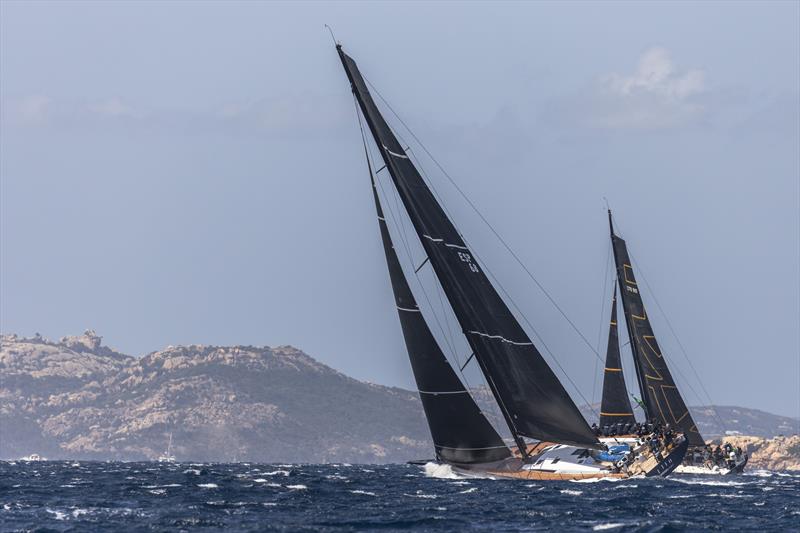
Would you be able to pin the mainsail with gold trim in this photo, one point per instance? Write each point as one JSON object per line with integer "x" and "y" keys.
{"x": 662, "y": 400}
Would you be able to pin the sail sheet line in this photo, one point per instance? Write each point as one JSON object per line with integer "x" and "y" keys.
{"x": 485, "y": 221}
{"x": 396, "y": 224}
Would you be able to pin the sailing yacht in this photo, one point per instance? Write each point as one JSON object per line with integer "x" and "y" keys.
{"x": 661, "y": 400}
{"x": 167, "y": 456}
{"x": 533, "y": 402}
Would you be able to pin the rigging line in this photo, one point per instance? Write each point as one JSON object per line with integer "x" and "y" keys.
{"x": 415, "y": 160}
{"x": 541, "y": 340}
{"x": 680, "y": 344}
{"x": 600, "y": 330}
{"x": 508, "y": 248}
{"x": 394, "y": 220}
{"x": 485, "y": 221}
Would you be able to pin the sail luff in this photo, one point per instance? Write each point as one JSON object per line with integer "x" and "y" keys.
{"x": 660, "y": 395}
{"x": 615, "y": 407}
{"x": 533, "y": 401}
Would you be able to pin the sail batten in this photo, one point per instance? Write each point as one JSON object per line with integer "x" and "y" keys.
{"x": 531, "y": 398}
{"x": 660, "y": 396}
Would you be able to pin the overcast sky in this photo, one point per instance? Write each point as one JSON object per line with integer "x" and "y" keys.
{"x": 176, "y": 173}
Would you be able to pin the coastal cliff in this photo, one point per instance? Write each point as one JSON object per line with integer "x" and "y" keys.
{"x": 76, "y": 398}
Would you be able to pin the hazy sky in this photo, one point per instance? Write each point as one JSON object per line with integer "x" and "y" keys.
{"x": 193, "y": 173}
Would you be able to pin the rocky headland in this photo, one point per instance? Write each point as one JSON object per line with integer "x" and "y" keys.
{"x": 76, "y": 398}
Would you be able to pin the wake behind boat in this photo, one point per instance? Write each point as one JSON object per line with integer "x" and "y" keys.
{"x": 531, "y": 399}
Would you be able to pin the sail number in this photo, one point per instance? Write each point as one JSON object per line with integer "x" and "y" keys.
{"x": 634, "y": 290}
{"x": 465, "y": 257}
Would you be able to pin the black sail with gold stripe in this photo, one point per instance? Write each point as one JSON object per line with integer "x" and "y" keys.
{"x": 615, "y": 406}
{"x": 532, "y": 400}
{"x": 662, "y": 400}
{"x": 460, "y": 432}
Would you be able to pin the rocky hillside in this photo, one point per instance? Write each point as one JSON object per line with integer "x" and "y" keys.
{"x": 76, "y": 398}
{"x": 779, "y": 453}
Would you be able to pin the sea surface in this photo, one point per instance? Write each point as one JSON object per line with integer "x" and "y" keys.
{"x": 97, "y": 496}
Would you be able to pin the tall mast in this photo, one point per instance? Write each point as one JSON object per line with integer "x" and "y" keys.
{"x": 649, "y": 414}
{"x": 532, "y": 400}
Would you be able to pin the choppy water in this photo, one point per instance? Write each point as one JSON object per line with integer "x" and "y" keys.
{"x": 130, "y": 496}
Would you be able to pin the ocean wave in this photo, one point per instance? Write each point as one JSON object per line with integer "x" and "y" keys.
{"x": 364, "y": 492}
{"x": 609, "y": 525}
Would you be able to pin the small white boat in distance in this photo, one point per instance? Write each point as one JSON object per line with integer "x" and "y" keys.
{"x": 34, "y": 457}
{"x": 167, "y": 456}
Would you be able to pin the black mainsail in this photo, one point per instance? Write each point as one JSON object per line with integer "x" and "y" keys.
{"x": 662, "y": 400}
{"x": 615, "y": 406}
{"x": 460, "y": 432}
{"x": 532, "y": 400}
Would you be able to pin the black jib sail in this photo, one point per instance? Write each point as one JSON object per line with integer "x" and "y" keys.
{"x": 532, "y": 400}
{"x": 460, "y": 432}
{"x": 616, "y": 406}
{"x": 660, "y": 395}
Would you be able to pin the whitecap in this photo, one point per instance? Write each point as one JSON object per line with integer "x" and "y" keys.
{"x": 277, "y": 473}
{"x": 192, "y": 471}
{"x": 469, "y": 490}
{"x": 572, "y": 492}
{"x": 60, "y": 515}
{"x": 158, "y": 491}
{"x": 759, "y": 504}
{"x": 296, "y": 487}
{"x": 461, "y": 483}
{"x": 364, "y": 492}
{"x": 269, "y": 504}
{"x": 711, "y": 483}
{"x": 420, "y": 494}
{"x": 440, "y": 471}
{"x": 208, "y": 485}
{"x": 610, "y": 525}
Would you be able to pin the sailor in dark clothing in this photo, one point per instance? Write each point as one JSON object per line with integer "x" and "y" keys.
{"x": 595, "y": 430}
